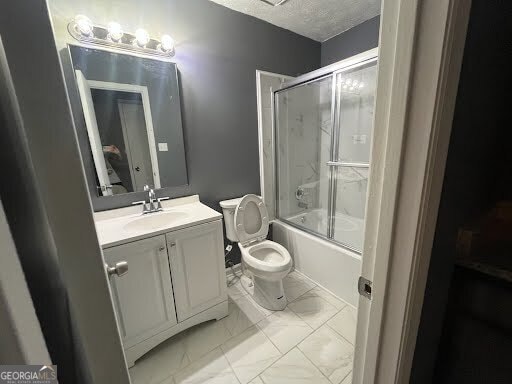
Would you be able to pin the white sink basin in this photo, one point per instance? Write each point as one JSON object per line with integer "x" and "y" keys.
{"x": 154, "y": 221}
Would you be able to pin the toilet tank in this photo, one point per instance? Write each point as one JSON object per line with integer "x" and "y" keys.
{"x": 228, "y": 210}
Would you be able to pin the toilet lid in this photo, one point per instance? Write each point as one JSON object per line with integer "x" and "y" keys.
{"x": 251, "y": 219}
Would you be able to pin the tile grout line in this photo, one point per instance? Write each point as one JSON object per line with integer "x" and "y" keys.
{"x": 282, "y": 355}
{"x": 314, "y": 365}
{"x": 229, "y": 363}
{"x": 300, "y": 341}
{"x": 348, "y": 373}
{"x": 184, "y": 367}
{"x": 325, "y": 322}
{"x": 259, "y": 330}
{"x": 340, "y": 335}
{"x": 275, "y": 346}
{"x": 218, "y": 346}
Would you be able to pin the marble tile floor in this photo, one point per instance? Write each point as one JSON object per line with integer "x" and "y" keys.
{"x": 310, "y": 342}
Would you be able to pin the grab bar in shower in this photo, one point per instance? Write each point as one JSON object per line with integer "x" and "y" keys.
{"x": 347, "y": 164}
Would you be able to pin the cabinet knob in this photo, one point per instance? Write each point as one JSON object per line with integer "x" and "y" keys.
{"x": 161, "y": 249}
{"x": 120, "y": 268}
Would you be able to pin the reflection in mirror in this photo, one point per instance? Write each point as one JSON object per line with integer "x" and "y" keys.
{"x": 124, "y": 140}
{"x": 132, "y": 117}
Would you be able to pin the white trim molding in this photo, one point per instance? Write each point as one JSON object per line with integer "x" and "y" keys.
{"x": 143, "y": 91}
{"x": 419, "y": 69}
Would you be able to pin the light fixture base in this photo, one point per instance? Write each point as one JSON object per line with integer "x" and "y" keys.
{"x": 100, "y": 36}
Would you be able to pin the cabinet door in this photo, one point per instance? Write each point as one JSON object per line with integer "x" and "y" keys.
{"x": 197, "y": 267}
{"x": 143, "y": 298}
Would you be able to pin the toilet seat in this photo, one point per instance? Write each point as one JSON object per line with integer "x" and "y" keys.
{"x": 251, "y": 220}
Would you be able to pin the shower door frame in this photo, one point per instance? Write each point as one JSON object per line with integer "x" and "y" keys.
{"x": 331, "y": 71}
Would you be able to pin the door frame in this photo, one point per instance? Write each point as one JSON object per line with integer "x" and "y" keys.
{"x": 21, "y": 339}
{"x": 127, "y": 147}
{"x": 143, "y": 91}
{"x": 419, "y": 66}
{"x": 265, "y": 179}
{"x": 93, "y": 133}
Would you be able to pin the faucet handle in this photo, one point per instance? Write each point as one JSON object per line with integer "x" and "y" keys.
{"x": 138, "y": 202}
{"x": 159, "y": 203}
{"x": 147, "y": 187}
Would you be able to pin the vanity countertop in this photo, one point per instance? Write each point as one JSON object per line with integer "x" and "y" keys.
{"x": 124, "y": 225}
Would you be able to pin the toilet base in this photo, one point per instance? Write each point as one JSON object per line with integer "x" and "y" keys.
{"x": 269, "y": 294}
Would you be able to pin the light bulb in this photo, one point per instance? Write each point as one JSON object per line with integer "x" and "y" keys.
{"x": 115, "y": 32}
{"x": 361, "y": 84}
{"x": 354, "y": 83}
{"x": 345, "y": 86}
{"x": 166, "y": 43}
{"x": 84, "y": 25}
{"x": 141, "y": 37}
{"x": 349, "y": 81}
{"x": 351, "y": 89}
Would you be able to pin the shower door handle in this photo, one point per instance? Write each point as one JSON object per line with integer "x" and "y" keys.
{"x": 347, "y": 164}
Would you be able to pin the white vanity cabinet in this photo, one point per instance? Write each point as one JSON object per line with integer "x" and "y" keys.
{"x": 143, "y": 298}
{"x": 176, "y": 274}
{"x": 197, "y": 267}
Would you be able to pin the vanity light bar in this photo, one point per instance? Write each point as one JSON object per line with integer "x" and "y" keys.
{"x": 112, "y": 35}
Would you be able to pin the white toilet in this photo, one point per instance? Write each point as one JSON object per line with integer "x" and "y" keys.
{"x": 246, "y": 221}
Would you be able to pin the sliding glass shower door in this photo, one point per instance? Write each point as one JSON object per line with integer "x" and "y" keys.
{"x": 323, "y": 132}
{"x": 303, "y": 140}
{"x": 355, "y": 100}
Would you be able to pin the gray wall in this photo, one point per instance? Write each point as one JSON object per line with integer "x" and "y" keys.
{"x": 217, "y": 53}
{"x": 358, "y": 39}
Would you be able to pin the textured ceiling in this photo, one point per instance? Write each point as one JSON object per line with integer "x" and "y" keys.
{"x": 317, "y": 19}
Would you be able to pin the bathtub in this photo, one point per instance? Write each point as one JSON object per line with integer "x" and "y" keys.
{"x": 331, "y": 266}
{"x": 348, "y": 230}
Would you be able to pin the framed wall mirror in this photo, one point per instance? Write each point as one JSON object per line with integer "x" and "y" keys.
{"x": 132, "y": 117}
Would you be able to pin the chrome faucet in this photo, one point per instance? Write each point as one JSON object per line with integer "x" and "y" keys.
{"x": 153, "y": 204}
{"x": 151, "y": 193}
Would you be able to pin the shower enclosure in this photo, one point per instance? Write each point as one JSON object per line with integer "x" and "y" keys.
{"x": 323, "y": 124}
